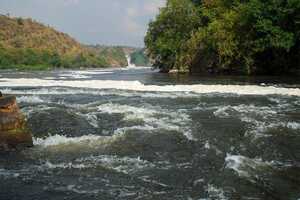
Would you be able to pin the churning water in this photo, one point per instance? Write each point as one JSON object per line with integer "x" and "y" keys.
{"x": 135, "y": 134}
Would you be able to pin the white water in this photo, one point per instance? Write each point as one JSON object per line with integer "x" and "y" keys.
{"x": 153, "y": 117}
{"x": 130, "y": 65}
{"x": 138, "y": 86}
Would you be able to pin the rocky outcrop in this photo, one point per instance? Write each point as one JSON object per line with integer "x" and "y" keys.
{"x": 14, "y": 133}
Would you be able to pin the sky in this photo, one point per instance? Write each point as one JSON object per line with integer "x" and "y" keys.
{"x": 108, "y": 22}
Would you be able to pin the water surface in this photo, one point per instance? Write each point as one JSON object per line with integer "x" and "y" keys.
{"x": 136, "y": 134}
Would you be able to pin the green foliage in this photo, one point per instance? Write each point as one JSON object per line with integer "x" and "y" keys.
{"x": 232, "y": 36}
{"x": 168, "y": 32}
{"x": 139, "y": 58}
{"x": 112, "y": 56}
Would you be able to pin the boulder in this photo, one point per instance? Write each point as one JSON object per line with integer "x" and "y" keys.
{"x": 14, "y": 133}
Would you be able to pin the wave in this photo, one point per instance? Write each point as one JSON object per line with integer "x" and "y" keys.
{"x": 126, "y": 165}
{"x": 30, "y": 99}
{"x": 56, "y": 140}
{"x": 262, "y": 111}
{"x": 246, "y": 167}
{"x": 138, "y": 86}
{"x": 122, "y": 93}
{"x": 153, "y": 116}
{"x": 215, "y": 193}
{"x": 259, "y": 119}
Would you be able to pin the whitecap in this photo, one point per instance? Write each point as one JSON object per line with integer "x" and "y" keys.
{"x": 122, "y": 93}
{"x": 30, "y": 99}
{"x": 245, "y": 167}
{"x": 125, "y": 165}
{"x": 244, "y": 110}
{"x": 154, "y": 117}
{"x": 138, "y": 86}
{"x": 63, "y": 140}
{"x": 216, "y": 193}
{"x": 293, "y": 125}
{"x": 48, "y": 165}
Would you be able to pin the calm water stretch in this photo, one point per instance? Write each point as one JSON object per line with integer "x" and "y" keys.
{"x": 134, "y": 134}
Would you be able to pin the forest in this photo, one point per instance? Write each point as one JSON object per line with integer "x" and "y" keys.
{"x": 244, "y": 37}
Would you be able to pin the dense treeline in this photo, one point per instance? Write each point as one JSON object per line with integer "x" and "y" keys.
{"x": 26, "y": 44}
{"x": 139, "y": 58}
{"x": 29, "y": 58}
{"x": 226, "y": 36}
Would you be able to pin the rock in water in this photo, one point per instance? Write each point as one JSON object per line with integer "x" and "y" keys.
{"x": 14, "y": 133}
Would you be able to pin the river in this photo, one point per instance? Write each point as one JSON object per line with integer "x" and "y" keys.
{"x": 135, "y": 134}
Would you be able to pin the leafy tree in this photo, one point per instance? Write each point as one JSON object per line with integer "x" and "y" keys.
{"x": 139, "y": 58}
{"x": 167, "y": 33}
{"x": 229, "y": 36}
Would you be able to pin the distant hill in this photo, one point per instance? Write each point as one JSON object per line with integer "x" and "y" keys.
{"x": 27, "y": 44}
{"x": 115, "y": 55}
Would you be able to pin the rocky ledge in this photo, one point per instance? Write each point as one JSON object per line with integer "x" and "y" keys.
{"x": 14, "y": 134}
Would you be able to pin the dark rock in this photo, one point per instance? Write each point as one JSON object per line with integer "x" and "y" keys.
{"x": 14, "y": 133}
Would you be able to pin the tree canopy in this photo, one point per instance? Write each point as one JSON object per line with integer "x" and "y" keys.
{"x": 226, "y": 36}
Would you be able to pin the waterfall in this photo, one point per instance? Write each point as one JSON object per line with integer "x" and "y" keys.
{"x": 130, "y": 65}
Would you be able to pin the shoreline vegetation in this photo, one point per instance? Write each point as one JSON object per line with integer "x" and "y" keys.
{"x": 234, "y": 37}
{"x": 29, "y": 45}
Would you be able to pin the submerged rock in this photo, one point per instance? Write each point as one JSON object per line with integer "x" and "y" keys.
{"x": 14, "y": 133}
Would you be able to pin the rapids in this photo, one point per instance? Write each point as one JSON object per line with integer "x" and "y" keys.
{"x": 136, "y": 134}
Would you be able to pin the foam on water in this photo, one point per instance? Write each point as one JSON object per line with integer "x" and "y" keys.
{"x": 259, "y": 118}
{"x": 259, "y": 128}
{"x": 215, "y": 193}
{"x": 123, "y": 93}
{"x": 138, "y": 86}
{"x": 263, "y": 111}
{"x": 48, "y": 165}
{"x": 245, "y": 167}
{"x": 91, "y": 118}
{"x": 293, "y": 125}
{"x": 30, "y": 99}
{"x": 86, "y": 141}
{"x": 154, "y": 117}
{"x": 60, "y": 139}
{"x": 125, "y": 165}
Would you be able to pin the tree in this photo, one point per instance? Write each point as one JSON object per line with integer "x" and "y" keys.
{"x": 227, "y": 36}
{"x": 167, "y": 33}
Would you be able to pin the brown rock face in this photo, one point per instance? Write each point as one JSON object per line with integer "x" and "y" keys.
{"x": 14, "y": 133}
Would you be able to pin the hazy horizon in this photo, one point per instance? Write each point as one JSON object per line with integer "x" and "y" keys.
{"x": 105, "y": 22}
